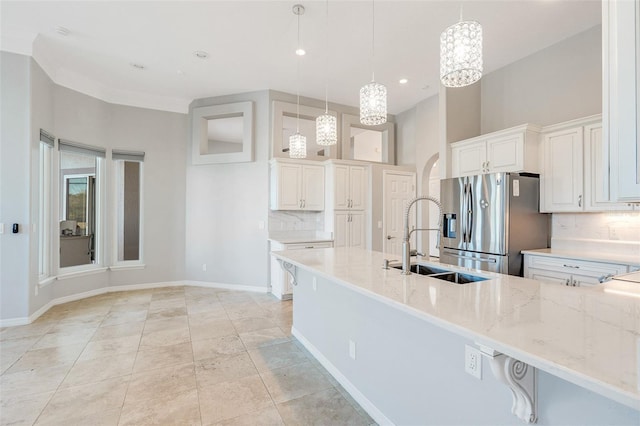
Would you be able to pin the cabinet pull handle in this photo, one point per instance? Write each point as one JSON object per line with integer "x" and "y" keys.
{"x": 488, "y": 166}
{"x": 566, "y": 282}
{"x": 308, "y": 247}
{"x": 571, "y": 266}
{"x": 579, "y": 200}
{"x": 574, "y": 283}
{"x": 304, "y": 203}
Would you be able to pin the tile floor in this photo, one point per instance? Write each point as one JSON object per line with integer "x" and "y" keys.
{"x": 174, "y": 355}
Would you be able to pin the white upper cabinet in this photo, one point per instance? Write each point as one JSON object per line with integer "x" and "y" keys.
{"x": 575, "y": 169}
{"x": 621, "y": 94}
{"x": 349, "y": 183}
{"x": 562, "y": 179}
{"x": 510, "y": 150}
{"x": 296, "y": 185}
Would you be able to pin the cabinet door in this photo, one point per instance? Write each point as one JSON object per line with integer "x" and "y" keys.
{"x": 341, "y": 186}
{"x": 288, "y": 186}
{"x": 357, "y": 230}
{"x": 505, "y": 154}
{"x": 584, "y": 281}
{"x": 621, "y": 91}
{"x": 313, "y": 187}
{"x": 562, "y": 179}
{"x": 468, "y": 160}
{"x": 596, "y": 173}
{"x": 340, "y": 229}
{"x": 357, "y": 187}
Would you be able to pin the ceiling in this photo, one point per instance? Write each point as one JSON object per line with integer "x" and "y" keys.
{"x": 251, "y": 45}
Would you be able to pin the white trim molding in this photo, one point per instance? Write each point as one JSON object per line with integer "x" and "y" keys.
{"x": 364, "y": 402}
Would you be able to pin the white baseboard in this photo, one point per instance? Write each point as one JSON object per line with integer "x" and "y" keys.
{"x": 10, "y": 322}
{"x": 364, "y": 402}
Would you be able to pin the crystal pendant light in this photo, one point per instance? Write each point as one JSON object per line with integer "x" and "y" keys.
{"x": 461, "y": 54}
{"x": 297, "y": 142}
{"x": 373, "y": 96}
{"x": 326, "y": 124}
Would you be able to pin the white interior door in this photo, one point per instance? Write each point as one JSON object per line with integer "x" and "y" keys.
{"x": 398, "y": 189}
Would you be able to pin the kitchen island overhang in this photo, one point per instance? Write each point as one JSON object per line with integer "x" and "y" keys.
{"x": 587, "y": 337}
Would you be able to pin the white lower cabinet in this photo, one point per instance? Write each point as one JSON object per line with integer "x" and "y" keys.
{"x": 281, "y": 286}
{"x": 568, "y": 271}
{"x": 349, "y": 229}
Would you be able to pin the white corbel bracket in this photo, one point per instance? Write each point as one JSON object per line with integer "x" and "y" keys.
{"x": 290, "y": 268}
{"x": 522, "y": 380}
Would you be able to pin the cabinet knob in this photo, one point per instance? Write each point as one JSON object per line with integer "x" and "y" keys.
{"x": 579, "y": 200}
{"x": 389, "y": 237}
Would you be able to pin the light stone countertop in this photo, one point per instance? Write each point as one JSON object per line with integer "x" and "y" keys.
{"x": 590, "y": 256}
{"x": 589, "y": 336}
{"x": 294, "y": 237}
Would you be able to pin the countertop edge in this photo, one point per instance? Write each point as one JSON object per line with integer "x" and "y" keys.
{"x": 586, "y": 256}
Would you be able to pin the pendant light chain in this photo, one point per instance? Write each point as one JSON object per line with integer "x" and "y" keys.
{"x": 298, "y": 142}
{"x": 373, "y": 40}
{"x": 298, "y": 82}
{"x": 373, "y": 96}
{"x": 326, "y": 60}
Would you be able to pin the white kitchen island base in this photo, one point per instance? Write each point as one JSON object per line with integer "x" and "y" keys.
{"x": 407, "y": 370}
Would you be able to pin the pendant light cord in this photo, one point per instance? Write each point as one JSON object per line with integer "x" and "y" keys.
{"x": 373, "y": 39}
{"x": 298, "y": 83}
{"x": 326, "y": 79}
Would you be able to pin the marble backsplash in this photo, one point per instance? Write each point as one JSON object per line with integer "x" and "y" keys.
{"x": 617, "y": 232}
{"x": 280, "y": 220}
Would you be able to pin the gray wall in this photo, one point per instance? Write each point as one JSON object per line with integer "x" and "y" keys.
{"x": 30, "y": 101}
{"x": 559, "y": 83}
{"x": 14, "y": 184}
{"x": 225, "y": 205}
{"x": 413, "y": 371}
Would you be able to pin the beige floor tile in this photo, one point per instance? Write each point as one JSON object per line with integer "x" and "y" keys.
{"x": 224, "y": 368}
{"x": 44, "y": 358}
{"x": 243, "y": 325}
{"x": 161, "y": 383}
{"x": 23, "y": 409}
{"x": 18, "y": 344}
{"x": 210, "y": 348}
{"x": 31, "y": 331}
{"x": 109, "y": 347}
{"x": 99, "y": 369}
{"x": 33, "y": 381}
{"x": 120, "y": 330}
{"x": 72, "y": 405}
{"x": 124, "y": 317}
{"x": 163, "y": 313}
{"x": 277, "y": 356}
{"x": 265, "y": 337}
{"x": 62, "y": 338}
{"x": 163, "y": 356}
{"x": 245, "y": 310}
{"x": 368, "y": 420}
{"x": 232, "y": 399}
{"x": 211, "y": 329}
{"x": 101, "y": 418}
{"x": 165, "y": 324}
{"x": 177, "y": 409}
{"x": 165, "y": 337}
{"x": 167, "y": 304}
{"x": 288, "y": 383}
{"x": 206, "y": 311}
{"x": 265, "y": 417}
{"x": 323, "y": 408}
{"x": 8, "y": 358}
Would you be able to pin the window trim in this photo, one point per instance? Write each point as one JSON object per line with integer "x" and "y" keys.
{"x": 119, "y": 157}
{"x": 46, "y": 149}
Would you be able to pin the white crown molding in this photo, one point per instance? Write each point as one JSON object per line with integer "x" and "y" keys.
{"x": 31, "y": 45}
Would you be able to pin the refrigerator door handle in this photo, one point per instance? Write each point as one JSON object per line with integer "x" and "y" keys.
{"x": 469, "y": 213}
{"x": 477, "y": 259}
{"x": 463, "y": 218}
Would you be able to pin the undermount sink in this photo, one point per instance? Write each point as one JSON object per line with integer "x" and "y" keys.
{"x": 443, "y": 274}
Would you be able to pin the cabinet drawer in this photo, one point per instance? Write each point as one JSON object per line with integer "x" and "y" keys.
{"x": 301, "y": 246}
{"x": 572, "y": 266}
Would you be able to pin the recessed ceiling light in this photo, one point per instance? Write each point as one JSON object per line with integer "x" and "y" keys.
{"x": 300, "y": 51}
{"x": 403, "y": 81}
{"x": 138, "y": 66}
{"x": 62, "y": 30}
{"x": 201, "y": 54}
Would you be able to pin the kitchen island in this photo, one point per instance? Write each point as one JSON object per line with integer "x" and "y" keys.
{"x": 397, "y": 343}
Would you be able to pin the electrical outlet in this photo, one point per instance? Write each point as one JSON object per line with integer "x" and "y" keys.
{"x": 314, "y": 283}
{"x": 204, "y": 267}
{"x": 473, "y": 361}
{"x": 352, "y": 349}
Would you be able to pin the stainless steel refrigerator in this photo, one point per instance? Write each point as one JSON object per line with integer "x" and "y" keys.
{"x": 488, "y": 219}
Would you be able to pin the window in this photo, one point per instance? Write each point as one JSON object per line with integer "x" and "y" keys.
{"x": 47, "y": 143}
{"x": 81, "y": 183}
{"x": 128, "y": 167}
